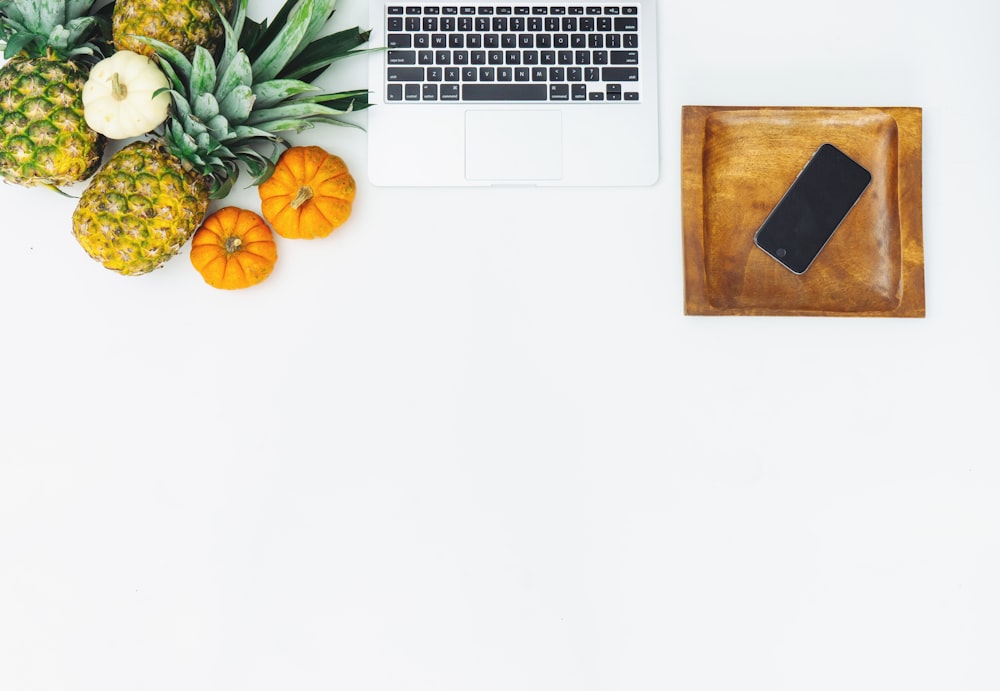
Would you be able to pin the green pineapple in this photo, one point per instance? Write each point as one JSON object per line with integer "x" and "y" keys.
{"x": 51, "y": 45}
{"x": 148, "y": 199}
{"x": 181, "y": 24}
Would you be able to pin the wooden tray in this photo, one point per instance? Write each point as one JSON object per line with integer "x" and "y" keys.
{"x": 736, "y": 165}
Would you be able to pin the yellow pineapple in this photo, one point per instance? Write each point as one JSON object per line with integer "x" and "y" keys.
{"x": 182, "y": 24}
{"x": 44, "y": 139}
{"x": 148, "y": 199}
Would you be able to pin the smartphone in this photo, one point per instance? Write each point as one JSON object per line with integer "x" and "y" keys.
{"x": 816, "y": 203}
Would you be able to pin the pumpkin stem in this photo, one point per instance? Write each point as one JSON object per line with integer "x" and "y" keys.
{"x": 118, "y": 90}
{"x": 304, "y": 195}
{"x": 233, "y": 244}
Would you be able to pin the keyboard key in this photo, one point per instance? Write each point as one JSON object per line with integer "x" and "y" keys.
{"x": 402, "y": 57}
{"x": 624, "y": 57}
{"x": 405, "y": 74}
{"x": 504, "y": 92}
{"x": 398, "y": 41}
{"x": 620, "y": 74}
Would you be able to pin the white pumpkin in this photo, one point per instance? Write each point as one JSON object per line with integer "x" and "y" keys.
{"x": 118, "y": 97}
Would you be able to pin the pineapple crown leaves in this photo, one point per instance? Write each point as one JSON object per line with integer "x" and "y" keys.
{"x": 64, "y": 28}
{"x": 226, "y": 109}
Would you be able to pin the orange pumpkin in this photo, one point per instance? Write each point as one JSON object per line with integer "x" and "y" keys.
{"x": 233, "y": 248}
{"x": 309, "y": 194}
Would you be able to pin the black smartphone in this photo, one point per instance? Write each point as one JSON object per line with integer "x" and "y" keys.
{"x": 818, "y": 200}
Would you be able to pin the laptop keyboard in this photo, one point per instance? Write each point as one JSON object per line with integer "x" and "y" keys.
{"x": 512, "y": 53}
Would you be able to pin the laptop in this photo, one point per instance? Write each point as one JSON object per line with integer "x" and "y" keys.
{"x": 513, "y": 93}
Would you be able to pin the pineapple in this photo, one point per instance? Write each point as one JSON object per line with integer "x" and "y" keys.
{"x": 150, "y": 197}
{"x": 51, "y": 45}
{"x": 182, "y": 24}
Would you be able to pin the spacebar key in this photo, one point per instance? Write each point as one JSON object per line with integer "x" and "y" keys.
{"x": 505, "y": 92}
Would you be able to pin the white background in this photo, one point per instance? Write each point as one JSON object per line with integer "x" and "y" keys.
{"x": 471, "y": 442}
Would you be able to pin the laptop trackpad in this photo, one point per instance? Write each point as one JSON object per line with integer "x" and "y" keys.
{"x": 513, "y": 145}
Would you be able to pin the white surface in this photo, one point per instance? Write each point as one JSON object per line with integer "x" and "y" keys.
{"x": 470, "y": 441}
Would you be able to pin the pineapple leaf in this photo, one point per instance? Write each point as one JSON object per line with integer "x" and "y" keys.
{"x": 278, "y": 90}
{"x": 77, "y": 8}
{"x": 290, "y": 124}
{"x": 182, "y": 109}
{"x": 174, "y": 57}
{"x": 321, "y": 15}
{"x": 236, "y": 106}
{"x": 17, "y": 43}
{"x": 319, "y": 54}
{"x": 231, "y": 44}
{"x": 264, "y": 33}
{"x": 205, "y": 108}
{"x": 246, "y": 132}
{"x": 193, "y": 126}
{"x": 30, "y": 14}
{"x": 251, "y": 37}
{"x": 220, "y": 129}
{"x": 286, "y": 44}
{"x": 223, "y": 181}
{"x": 237, "y": 73}
{"x": 239, "y": 18}
{"x": 345, "y": 101}
{"x": 258, "y": 165}
{"x": 296, "y": 109}
{"x": 51, "y": 13}
{"x": 171, "y": 75}
{"x": 202, "y": 73}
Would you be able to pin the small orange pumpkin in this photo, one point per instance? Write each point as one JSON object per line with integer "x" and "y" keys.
{"x": 233, "y": 248}
{"x": 309, "y": 194}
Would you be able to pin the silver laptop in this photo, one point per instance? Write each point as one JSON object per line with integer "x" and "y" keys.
{"x": 513, "y": 93}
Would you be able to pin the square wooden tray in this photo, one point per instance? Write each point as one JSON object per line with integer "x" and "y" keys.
{"x": 737, "y": 162}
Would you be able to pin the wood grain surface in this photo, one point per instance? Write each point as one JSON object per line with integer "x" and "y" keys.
{"x": 736, "y": 165}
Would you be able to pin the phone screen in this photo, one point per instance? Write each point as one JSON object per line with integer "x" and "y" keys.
{"x": 818, "y": 200}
